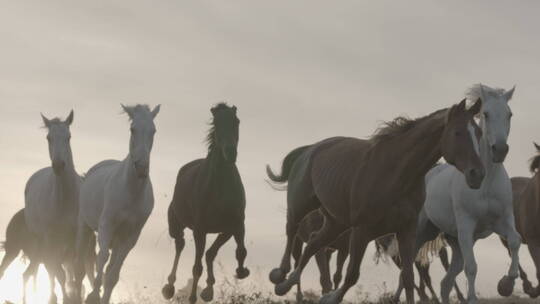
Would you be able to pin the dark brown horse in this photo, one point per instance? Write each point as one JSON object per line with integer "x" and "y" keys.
{"x": 526, "y": 197}
{"x": 372, "y": 187}
{"x": 209, "y": 198}
{"x": 310, "y": 224}
{"x": 20, "y": 239}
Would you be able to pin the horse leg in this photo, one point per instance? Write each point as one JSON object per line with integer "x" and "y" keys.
{"x": 455, "y": 267}
{"x": 296, "y": 253}
{"x": 176, "y": 231}
{"x": 84, "y": 234}
{"x": 406, "y": 241}
{"x": 527, "y": 285}
{"x": 31, "y": 270}
{"x": 208, "y": 293}
{"x": 506, "y": 229}
{"x": 318, "y": 240}
{"x": 443, "y": 256}
{"x": 534, "y": 250}
{"x": 242, "y": 272}
{"x": 425, "y": 281}
{"x": 10, "y": 254}
{"x": 200, "y": 243}
{"x": 321, "y": 257}
{"x": 104, "y": 239}
{"x": 90, "y": 261}
{"x": 340, "y": 261}
{"x": 466, "y": 227}
{"x": 277, "y": 275}
{"x": 51, "y": 270}
{"x": 357, "y": 248}
{"x": 119, "y": 253}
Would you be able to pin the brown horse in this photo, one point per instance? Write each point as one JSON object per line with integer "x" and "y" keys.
{"x": 372, "y": 187}
{"x": 310, "y": 224}
{"x": 526, "y": 197}
{"x": 209, "y": 198}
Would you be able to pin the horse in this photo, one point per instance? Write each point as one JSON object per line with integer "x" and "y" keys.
{"x": 387, "y": 246}
{"x": 51, "y": 203}
{"x": 20, "y": 239}
{"x": 526, "y": 207}
{"x": 116, "y": 199}
{"x": 209, "y": 198}
{"x": 310, "y": 224}
{"x": 465, "y": 214}
{"x": 371, "y": 187}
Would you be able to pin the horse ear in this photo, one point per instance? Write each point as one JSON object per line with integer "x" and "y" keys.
{"x": 69, "y": 119}
{"x": 482, "y": 93}
{"x": 155, "y": 111}
{"x": 234, "y": 109}
{"x": 455, "y": 109}
{"x": 213, "y": 110}
{"x": 536, "y": 146}
{"x": 46, "y": 121}
{"x": 475, "y": 108}
{"x": 508, "y": 94}
{"x": 127, "y": 110}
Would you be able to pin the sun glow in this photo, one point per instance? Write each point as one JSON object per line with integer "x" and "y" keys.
{"x": 11, "y": 285}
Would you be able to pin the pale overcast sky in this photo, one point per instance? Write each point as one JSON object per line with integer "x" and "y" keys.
{"x": 298, "y": 71}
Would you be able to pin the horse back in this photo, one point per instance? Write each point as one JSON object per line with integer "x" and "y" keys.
{"x": 333, "y": 170}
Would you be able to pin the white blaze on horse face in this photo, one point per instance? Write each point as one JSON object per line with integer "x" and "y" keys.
{"x": 474, "y": 140}
{"x": 58, "y": 138}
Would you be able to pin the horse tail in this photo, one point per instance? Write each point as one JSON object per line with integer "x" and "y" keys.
{"x": 430, "y": 249}
{"x": 286, "y": 166}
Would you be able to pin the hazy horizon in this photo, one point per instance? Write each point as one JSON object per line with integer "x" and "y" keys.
{"x": 297, "y": 71}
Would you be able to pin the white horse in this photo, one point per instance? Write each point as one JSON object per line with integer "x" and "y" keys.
{"x": 466, "y": 215}
{"x": 51, "y": 203}
{"x": 116, "y": 199}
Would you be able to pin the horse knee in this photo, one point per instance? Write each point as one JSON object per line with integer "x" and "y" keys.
{"x": 471, "y": 269}
{"x": 197, "y": 269}
{"x": 241, "y": 253}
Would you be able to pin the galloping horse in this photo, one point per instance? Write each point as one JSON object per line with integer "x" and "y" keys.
{"x": 51, "y": 203}
{"x": 372, "y": 187}
{"x": 116, "y": 200}
{"x": 209, "y": 198}
{"x": 466, "y": 215}
{"x": 526, "y": 194}
{"x": 20, "y": 239}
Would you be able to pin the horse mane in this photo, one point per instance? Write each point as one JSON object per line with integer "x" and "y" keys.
{"x": 475, "y": 92}
{"x": 535, "y": 163}
{"x": 399, "y": 126}
{"x": 138, "y": 108}
{"x": 210, "y": 138}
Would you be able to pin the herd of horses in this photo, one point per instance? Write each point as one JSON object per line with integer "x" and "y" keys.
{"x": 342, "y": 193}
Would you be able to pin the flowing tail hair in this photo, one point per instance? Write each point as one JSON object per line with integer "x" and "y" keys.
{"x": 277, "y": 181}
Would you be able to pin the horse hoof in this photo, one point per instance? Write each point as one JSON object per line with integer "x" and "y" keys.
{"x": 242, "y": 273}
{"x": 207, "y": 294}
{"x": 505, "y": 286}
{"x": 93, "y": 298}
{"x": 277, "y": 276}
{"x": 528, "y": 288}
{"x": 168, "y": 291}
{"x": 329, "y": 298}
{"x": 282, "y": 288}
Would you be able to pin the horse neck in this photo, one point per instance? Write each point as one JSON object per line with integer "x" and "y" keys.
{"x": 129, "y": 174}
{"x": 67, "y": 182}
{"x": 416, "y": 151}
{"x": 218, "y": 166}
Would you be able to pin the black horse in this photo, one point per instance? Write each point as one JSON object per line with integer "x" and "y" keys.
{"x": 209, "y": 198}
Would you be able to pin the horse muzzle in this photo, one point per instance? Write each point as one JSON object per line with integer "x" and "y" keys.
{"x": 499, "y": 152}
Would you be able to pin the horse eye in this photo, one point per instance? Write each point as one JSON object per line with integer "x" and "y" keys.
{"x": 486, "y": 115}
